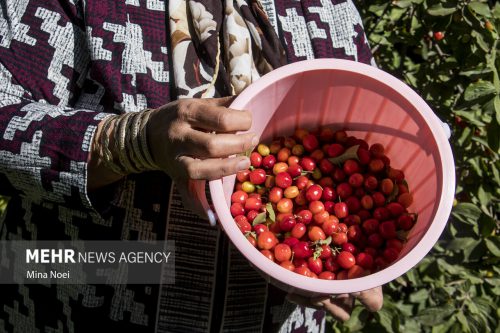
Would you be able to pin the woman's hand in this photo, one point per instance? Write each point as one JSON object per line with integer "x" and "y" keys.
{"x": 191, "y": 139}
{"x": 341, "y": 306}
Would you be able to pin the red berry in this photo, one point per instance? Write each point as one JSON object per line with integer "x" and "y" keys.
{"x": 253, "y": 204}
{"x": 310, "y": 142}
{"x": 291, "y": 241}
{"x": 268, "y": 254}
{"x": 301, "y": 250}
{"x": 314, "y": 193}
{"x": 325, "y": 166}
{"x": 356, "y": 271}
{"x": 391, "y": 254}
{"x": 438, "y": 35}
{"x": 341, "y": 210}
{"x": 251, "y": 215}
{"x": 282, "y": 252}
{"x": 326, "y": 251}
{"x": 315, "y": 265}
{"x": 365, "y": 260}
{"x": 288, "y": 265}
{"x": 288, "y": 223}
{"x": 351, "y": 167}
{"x": 275, "y": 195}
{"x": 295, "y": 170}
{"x": 242, "y": 175}
{"x": 268, "y": 162}
{"x": 258, "y": 176}
{"x": 331, "y": 264}
{"x": 387, "y": 229}
{"x": 315, "y": 233}
{"x": 325, "y": 275}
{"x": 256, "y": 159}
{"x": 242, "y": 223}
{"x": 283, "y": 180}
{"x": 307, "y": 163}
{"x": 405, "y": 222}
{"x": 237, "y": 209}
{"x": 285, "y": 205}
{"x": 335, "y": 150}
{"x": 349, "y": 247}
{"x": 316, "y": 207}
{"x": 266, "y": 240}
{"x": 239, "y": 197}
{"x": 328, "y": 194}
{"x": 305, "y": 216}
{"x": 339, "y": 238}
{"x": 346, "y": 259}
{"x": 344, "y": 190}
{"x": 260, "y": 228}
{"x": 298, "y": 230}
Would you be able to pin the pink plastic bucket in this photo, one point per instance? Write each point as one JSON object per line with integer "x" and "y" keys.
{"x": 372, "y": 105}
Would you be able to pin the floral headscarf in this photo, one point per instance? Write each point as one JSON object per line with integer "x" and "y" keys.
{"x": 221, "y": 46}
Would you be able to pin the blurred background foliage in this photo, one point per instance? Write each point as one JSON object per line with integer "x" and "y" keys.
{"x": 449, "y": 52}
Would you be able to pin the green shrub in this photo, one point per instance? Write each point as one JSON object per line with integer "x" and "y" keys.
{"x": 456, "y": 287}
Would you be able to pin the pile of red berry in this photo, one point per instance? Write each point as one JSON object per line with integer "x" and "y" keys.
{"x": 323, "y": 204}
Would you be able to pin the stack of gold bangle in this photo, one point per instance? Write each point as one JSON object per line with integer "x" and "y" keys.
{"x": 132, "y": 154}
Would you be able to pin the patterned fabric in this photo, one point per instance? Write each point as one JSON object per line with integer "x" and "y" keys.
{"x": 64, "y": 65}
{"x": 206, "y": 68}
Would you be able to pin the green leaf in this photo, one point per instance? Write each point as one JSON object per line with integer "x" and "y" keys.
{"x": 385, "y": 319}
{"x": 480, "y": 8}
{"x": 466, "y": 212}
{"x": 350, "y": 153}
{"x": 270, "y": 211}
{"x": 259, "y": 219}
{"x": 496, "y": 106}
{"x": 493, "y": 244}
{"x": 439, "y": 10}
{"x": 480, "y": 40}
{"x": 463, "y": 321}
{"x": 462, "y": 243}
{"x": 419, "y": 296}
{"x": 479, "y": 89}
{"x": 435, "y": 315}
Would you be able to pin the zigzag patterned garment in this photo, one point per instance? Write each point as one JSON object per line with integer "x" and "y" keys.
{"x": 64, "y": 65}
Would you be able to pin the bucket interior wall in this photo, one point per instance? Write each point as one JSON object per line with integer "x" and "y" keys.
{"x": 368, "y": 111}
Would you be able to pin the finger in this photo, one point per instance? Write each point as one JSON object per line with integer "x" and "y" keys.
{"x": 372, "y": 299}
{"x": 211, "y": 169}
{"x": 217, "y": 118}
{"x": 340, "y": 307}
{"x": 206, "y": 145}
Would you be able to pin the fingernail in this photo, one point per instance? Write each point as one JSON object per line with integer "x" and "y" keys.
{"x": 211, "y": 217}
{"x": 243, "y": 164}
{"x": 255, "y": 141}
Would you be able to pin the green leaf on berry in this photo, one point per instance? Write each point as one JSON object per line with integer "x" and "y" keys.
{"x": 270, "y": 211}
{"x": 251, "y": 233}
{"x": 317, "y": 252}
{"x": 259, "y": 219}
{"x": 351, "y": 153}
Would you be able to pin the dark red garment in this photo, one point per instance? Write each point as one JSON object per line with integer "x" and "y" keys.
{"x": 63, "y": 66}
